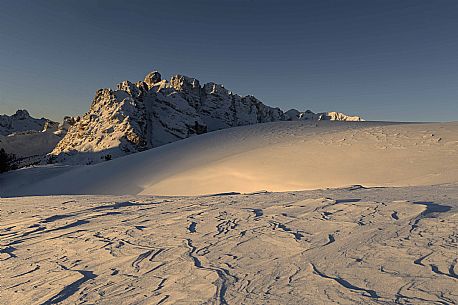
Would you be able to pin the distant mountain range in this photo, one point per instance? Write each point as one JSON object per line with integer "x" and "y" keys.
{"x": 30, "y": 139}
{"x": 139, "y": 116}
{"x": 22, "y": 121}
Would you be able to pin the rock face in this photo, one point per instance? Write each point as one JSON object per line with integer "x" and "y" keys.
{"x": 153, "y": 112}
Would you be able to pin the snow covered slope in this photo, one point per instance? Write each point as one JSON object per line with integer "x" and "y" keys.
{"x": 275, "y": 156}
{"x": 30, "y": 139}
{"x": 29, "y": 143}
{"x": 154, "y": 112}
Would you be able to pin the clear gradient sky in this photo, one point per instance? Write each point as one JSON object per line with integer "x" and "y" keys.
{"x": 380, "y": 59}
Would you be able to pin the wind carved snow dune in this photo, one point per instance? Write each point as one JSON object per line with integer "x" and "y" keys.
{"x": 278, "y": 156}
{"x": 342, "y": 246}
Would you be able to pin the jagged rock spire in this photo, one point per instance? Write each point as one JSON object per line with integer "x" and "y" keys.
{"x": 152, "y": 78}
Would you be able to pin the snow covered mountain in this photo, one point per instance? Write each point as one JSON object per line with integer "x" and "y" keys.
{"x": 153, "y": 112}
{"x": 30, "y": 139}
{"x": 22, "y": 121}
{"x": 295, "y": 115}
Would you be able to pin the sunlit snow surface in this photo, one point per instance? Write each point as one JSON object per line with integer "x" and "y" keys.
{"x": 279, "y": 156}
{"x": 340, "y": 246}
{"x": 392, "y": 240}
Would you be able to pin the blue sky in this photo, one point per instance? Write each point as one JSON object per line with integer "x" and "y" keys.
{"x": 381, "y": 59}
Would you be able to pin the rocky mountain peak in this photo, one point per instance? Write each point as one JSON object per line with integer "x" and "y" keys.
{"x": 21, "y": 114}
{"x": 154, "y": 112}
{"x": 132, "y": 89}
{"x": 184, "y": 83}
{"x": 22, "y": 121}
{"x": 152, "y": 78}
{"x": 216, "y": 89}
